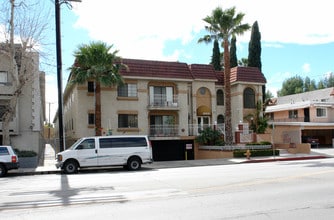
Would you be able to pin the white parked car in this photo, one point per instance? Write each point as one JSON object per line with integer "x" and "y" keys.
{"x": 130, "y": 151}
{"x": 8, "y": 160}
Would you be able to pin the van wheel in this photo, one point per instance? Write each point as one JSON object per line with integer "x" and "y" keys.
{"x": 70, "y": 167}
{"x": 3, "y": 170}
{"x": 134, "y": 163}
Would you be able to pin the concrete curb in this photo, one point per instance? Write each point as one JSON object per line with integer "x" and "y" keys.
{"x": 285, "y": 159}
{"x": 193, "y": 163}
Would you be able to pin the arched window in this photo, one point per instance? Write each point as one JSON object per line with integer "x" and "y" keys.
{"x": 220, "y": 97}
{"x": 220, "y": 119}
{"x": 249, "y": 98}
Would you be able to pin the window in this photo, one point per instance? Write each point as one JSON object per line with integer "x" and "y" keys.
{"x": 202, "y": 90}
{"x": 127, "y": 121}
{"x": 3, "y": 77}
{"x": 249, "y": 98}
{"x": 321, "y": 112}
{"x": 91, "y": 86}
{"x": 86, "y": 144}
{"x": 91, "y": 118}
{"x": 2, "y": 111}
{"x": 293, "y": 114}
{"x": 160, "y": 95}
{"x": 122, "y": 142}
{"x": 127, "y": 90}
{"x": 4, "y": 151}
{"x": 220, "y": 119}
{"x": 220, "y": 97}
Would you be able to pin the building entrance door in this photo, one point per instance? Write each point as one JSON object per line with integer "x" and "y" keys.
{"x": 203, "y": 122}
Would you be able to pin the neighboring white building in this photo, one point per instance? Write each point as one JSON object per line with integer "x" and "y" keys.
{"x": 26, "y": 128}
{"x": 304, "y": 118}
{"x": 169, "y": 101}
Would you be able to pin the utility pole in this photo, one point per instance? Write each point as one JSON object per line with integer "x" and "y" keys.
{"x": 59, "y": 72}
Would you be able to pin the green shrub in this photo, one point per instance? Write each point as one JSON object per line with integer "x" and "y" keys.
{"x": 259, "y": 143}
{"x": 25, "y": 153}
{"x": 210, "y": 137}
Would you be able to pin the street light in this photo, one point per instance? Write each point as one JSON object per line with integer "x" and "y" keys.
{"x": 59, "y": 72}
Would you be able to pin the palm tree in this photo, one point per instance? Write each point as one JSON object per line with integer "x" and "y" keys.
{"x": 222, "y": 25}
{"x": 95, "y": 62}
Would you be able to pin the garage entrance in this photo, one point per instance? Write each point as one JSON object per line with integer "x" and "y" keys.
{"x": 323, "y": 136}
{"x": 168, "y": 150}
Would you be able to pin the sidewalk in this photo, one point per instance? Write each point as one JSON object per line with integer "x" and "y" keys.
{"x": 49, "y": 161}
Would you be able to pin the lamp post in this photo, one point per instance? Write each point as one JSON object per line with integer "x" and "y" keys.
{"x": 59, "y": 73}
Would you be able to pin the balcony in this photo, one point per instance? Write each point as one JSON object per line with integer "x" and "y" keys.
{"x": 164, "y": 130}
{"x": 175, "y": 130}
{"x": 162, "y": 102}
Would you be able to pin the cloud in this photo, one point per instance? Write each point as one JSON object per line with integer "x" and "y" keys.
{"x": 306, "y": 68}
{"x": 139, "y": 29}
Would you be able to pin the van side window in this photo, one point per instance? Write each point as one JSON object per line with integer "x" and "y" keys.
{"x": 86, "y": 144}
{"x": 122, "y": 142}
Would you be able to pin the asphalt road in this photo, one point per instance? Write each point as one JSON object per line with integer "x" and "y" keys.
{"x": 277, "y": 190}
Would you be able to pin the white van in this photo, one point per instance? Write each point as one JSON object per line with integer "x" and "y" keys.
{"x": 128, "y": 151}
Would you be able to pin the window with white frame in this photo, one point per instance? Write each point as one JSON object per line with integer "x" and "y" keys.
{"x": 3, "y": 77}
{"x": 127, "y": 90}
{"x": 321, "y": 112}
{"x": 160, "y": 95}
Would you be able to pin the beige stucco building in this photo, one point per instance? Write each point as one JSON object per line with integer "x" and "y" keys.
{"x": 26, "y": 128}
{"x": 169, "y": 101}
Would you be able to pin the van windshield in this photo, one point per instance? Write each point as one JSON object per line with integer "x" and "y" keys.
{"x": 75, "y": 144}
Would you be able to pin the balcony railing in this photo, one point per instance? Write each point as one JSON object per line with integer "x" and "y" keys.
{"x": 164, "y": 130}
{"x": 162, "y": 101}
{"x": 195, "y": 129}
{"x": 174, "y": 130}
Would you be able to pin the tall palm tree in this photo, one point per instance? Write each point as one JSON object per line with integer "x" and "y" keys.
{"x": 222, "y": 25}
{"x": 96, "y": 62}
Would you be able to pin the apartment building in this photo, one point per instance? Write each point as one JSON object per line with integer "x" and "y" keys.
{"x": 26, "y": 128}
{"x": 169, "y": 101}
{"x": 304, "y": 118}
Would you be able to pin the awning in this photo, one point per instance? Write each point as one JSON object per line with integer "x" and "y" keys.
{"x": 203, "y": 110}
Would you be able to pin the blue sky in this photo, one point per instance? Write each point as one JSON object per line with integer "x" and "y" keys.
{"x": 297, "y": 39}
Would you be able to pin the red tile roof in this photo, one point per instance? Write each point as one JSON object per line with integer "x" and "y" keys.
{"x": 149, "y": 68}
{"x": 203, "y": 71}
{"x": 247, "y": 74}
{"x": 177, "y": 70}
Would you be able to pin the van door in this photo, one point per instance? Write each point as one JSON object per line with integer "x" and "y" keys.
{"x": 87, "y": 153}
{"x": 107, "y": 153}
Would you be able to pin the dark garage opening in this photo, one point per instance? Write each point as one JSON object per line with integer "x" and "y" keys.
{"x": 168, "y": 150}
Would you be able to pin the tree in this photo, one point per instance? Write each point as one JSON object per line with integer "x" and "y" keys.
{"x": 254, "y": 48}
{"x": 254, "y": 52}
{"x": 309, "y": 85}
{"x": 222, "y": 25}
{"x": 243, "y": 62}
{"x": 95, "y": 62}
{"x": 233, "y": 53}
{"x": 216, "y": 56}
{"x": 291, "y": 86}
{"x": 24, "y": 31}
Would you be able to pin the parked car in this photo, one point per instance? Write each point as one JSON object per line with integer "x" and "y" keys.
{"x": 130, "y": 151}
{"x": 8, "y": 160}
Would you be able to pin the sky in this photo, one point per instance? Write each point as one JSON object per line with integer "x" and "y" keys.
{"x": 297, "y": 37}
